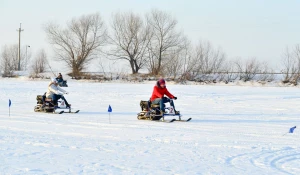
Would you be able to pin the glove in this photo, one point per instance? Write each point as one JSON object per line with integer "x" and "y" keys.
{"x": 175, "y": 98}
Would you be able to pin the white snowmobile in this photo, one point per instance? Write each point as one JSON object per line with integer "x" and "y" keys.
{"x": 47, "y": 105}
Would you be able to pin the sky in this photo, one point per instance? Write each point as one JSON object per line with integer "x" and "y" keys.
{"x": 242, "y": 28}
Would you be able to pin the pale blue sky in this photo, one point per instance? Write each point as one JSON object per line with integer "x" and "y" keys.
{"x": 242, "y": 28}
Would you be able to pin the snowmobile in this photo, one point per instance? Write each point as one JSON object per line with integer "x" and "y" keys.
{"x": 152, "y": 112}
{"x": 47, "y": 105}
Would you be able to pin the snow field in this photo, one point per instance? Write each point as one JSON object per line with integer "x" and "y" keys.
{"x": 234, "y": 130}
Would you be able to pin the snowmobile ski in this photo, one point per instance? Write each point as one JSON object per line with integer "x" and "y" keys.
{"x": 60, "y": 112}
{"x": 73, "y": 112}
{"x": 166, "y": 121}
{"x": 68, "y": 112}
{"x": 184, "y": 120}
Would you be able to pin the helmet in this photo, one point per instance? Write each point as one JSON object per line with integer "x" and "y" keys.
{"x": 162, "y": 81}
{"x": 53, "y": 80}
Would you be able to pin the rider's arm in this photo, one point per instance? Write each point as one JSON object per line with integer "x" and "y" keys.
{"x": 61, "y": 89}
{"x": 52, "y": 88}
{"x": 169, "y": 94}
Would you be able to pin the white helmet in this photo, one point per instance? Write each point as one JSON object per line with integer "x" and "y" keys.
{"x": 53, "y": 80}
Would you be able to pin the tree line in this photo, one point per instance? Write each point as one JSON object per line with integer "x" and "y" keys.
{"x": 151, "y": 42}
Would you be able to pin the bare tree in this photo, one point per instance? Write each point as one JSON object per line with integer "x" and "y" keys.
{"x": 39, "y": 63}
{"x": 209, "y": 60}
{"x": 165, "y": 39}
{"x": 228, "y": 72}
{"x": 266, "y": 73}
{"x": 289, "y": 66}
{"x": 9, "y": 60}
{"x": 206, "y": 61}
{"x": 25, "y": 57}
{"x": 188, "y": 65}
{"x": 175, "y": 62}
{"x": 296, "y": 55}
{"x": 130, "y": 39}
{"x": 78, "y": 43}
{"x": 249, "y": 69}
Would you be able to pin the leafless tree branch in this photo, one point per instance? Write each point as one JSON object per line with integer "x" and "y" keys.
{"x": 78, "y": 43}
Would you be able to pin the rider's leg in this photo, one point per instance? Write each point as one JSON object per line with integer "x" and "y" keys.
{"x": 55, "y": 98}
{"x": 172, "y": 104}
{"x": 160, "y": 102}
{"x": 165, "y": 99}
{"x": 67, "y": 104}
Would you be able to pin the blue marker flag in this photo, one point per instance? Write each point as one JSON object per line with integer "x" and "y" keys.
{"x": 9, "y": 103}
{"x": 109, "y": 109}
{"x": 292, "y": 129}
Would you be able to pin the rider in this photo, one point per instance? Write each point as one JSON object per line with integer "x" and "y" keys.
{"x": 55, "y": 92}
{"x": 59, "y": 78}
{"x": 158, "y": 93}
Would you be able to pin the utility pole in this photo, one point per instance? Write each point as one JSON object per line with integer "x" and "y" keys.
{"x": 19, "y": 53}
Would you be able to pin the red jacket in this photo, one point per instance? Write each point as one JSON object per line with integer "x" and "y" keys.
{"x": 159, "y": 92}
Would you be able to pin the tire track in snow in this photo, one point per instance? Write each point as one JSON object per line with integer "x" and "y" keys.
{"x": 285, "y": 161}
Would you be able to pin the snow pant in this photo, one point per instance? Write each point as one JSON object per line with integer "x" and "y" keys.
{"x": 56, "y": 97}
{"x": 161, "y": 102}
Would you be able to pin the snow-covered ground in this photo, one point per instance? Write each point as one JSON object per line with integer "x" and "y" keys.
{"x": 234, "y": 130}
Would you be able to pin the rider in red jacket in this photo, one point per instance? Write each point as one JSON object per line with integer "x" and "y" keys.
{"x": 159, "y": 91}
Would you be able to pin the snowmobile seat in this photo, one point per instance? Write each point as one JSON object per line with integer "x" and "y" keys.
{"x": 155, "y": 106}
{"x": 48, "y": 99}
{"x": 144, "y": 105}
